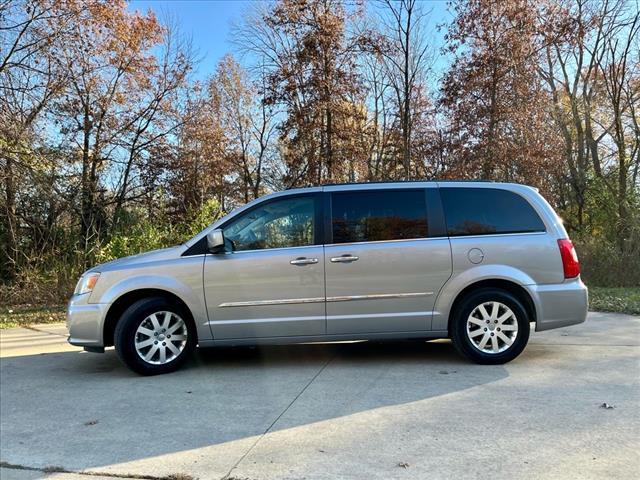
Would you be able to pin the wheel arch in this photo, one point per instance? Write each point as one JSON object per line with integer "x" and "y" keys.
{"x": 510, "y": 286}
{"x": 127, "y": 299}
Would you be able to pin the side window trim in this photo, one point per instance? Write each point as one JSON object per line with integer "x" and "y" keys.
{"x": 435, "y": 214}
{"x": 327, "y": 218}
{"x": 319, "y": 226}
{"x": 198, "y": 248}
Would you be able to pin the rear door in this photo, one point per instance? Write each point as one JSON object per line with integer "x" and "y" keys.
{"x": 386, "y": 258}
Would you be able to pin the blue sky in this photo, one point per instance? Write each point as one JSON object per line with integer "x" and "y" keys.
{"x": 209, "y": 23}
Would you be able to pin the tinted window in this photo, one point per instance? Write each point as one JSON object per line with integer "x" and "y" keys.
{"x": 477, "y": 211}
{"x": 378, "y": 215}
{"x": 289, "y": 222}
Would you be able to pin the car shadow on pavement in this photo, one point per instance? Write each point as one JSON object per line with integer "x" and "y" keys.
{"x": 84, "y": 411}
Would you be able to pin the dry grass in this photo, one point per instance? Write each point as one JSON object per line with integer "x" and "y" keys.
{"x": 24, "y": 315}
{"x": 618, "y": 300}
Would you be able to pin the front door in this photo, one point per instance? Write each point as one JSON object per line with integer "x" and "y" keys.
{"x": 270, "y": 281}
{"x": 384, "y": 267}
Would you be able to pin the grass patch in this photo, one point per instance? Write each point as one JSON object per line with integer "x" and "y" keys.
{"x": 618, "y": 300}
{"x": 23, "y": 315}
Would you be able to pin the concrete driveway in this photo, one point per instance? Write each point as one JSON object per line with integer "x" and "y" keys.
{"x": 406, "y": 410}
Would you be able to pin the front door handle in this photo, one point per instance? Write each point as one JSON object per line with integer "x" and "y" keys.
{"x": 344, "y": 259}
{"x": 304, "y": 261}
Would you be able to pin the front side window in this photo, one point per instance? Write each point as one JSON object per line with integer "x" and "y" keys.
{"x": 368, "y": 216}
{"x": 483, "y": 211}
{"x": 288, "y": 222}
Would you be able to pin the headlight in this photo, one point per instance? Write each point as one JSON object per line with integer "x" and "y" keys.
{"x": 86, "y": 283}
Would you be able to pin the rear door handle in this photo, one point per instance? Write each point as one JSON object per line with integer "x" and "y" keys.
{"x": 344, "y": 259}
{"x": 303, "y": 261}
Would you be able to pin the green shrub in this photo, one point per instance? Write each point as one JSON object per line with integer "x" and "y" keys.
{"x": 146, "y": 235}
{"x": 201, "y": 218}
{"x": 52, "y": 285}
{"x": 603, "y": 264}
{"x": 620, "y": 300}
{"x": 51, "y": 279}
{"x": 142, "y": 237}
{"x": 609, "y": 254}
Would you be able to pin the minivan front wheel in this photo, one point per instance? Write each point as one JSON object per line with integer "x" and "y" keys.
{"x": 154, "y": 336}
{"x": 490, "y": 326}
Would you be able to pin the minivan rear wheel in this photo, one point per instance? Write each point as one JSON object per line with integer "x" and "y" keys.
{"x": 154, "y": 336}
{"x": 490, "y": 326}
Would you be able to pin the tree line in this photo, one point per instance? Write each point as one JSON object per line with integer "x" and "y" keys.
{"x": 109, "y": 144}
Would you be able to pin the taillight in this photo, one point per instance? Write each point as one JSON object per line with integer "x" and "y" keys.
{"x": 570, "y": 262}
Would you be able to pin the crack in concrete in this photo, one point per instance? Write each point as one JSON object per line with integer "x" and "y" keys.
{"x": 228, "y": 475}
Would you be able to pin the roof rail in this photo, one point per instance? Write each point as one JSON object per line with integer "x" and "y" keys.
{"x": 377, "y": 182}
{"x": 406, "y": 181}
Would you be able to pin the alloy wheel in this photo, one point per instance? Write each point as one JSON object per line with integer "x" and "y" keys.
{"x": 492, "y": 327}
{"x": 160, "y": 338}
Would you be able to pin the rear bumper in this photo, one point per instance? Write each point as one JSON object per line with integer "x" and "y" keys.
{"x": 559, "y": 305}
{"x": 85, "y": 321}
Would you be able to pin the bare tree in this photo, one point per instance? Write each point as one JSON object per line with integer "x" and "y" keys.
{"x": 29, "y": 80}
{"x": 157, "y": 114}
{"x": 247, "y": 124}
{"x": 407, "y": 60}
{"x": 593, "y": 70}
{"x": 309, "y": 50}
{"x": 107, "y": 59}
{"x": 619, "y": 66}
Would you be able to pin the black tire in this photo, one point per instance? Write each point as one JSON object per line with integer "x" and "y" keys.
{"x": 463, "y": 310}
{"x": 127, "y": 326}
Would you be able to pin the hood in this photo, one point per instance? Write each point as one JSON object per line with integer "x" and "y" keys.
{"x": 140, "y": 258}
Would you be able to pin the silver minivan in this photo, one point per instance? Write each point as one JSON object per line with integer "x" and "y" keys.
{"x": 476, "y": 262}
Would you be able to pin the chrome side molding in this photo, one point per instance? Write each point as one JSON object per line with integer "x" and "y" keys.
{"x": 378, "y": 296}
{"x": 282, "y": 301}
{"x": 344, "y": 298}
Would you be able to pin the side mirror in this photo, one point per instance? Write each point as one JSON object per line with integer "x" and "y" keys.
{"x": 215, "y": 240}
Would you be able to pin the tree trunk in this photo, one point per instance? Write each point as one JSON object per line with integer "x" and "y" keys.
{"x": 623, "y": 220}
{"x": 87, "y": 207}
{"x": 10, "y": 251}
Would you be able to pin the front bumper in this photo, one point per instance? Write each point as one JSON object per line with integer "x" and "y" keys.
{"x": 559, "y": 305}
{"x": 85, "y": 321}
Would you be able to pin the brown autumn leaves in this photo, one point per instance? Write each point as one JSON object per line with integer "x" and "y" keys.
{"x": 102, "y": 122}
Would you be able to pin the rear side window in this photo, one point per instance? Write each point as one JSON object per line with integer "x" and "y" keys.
{"x": 369, "y": 216}
{"x": 483, "y": 211}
